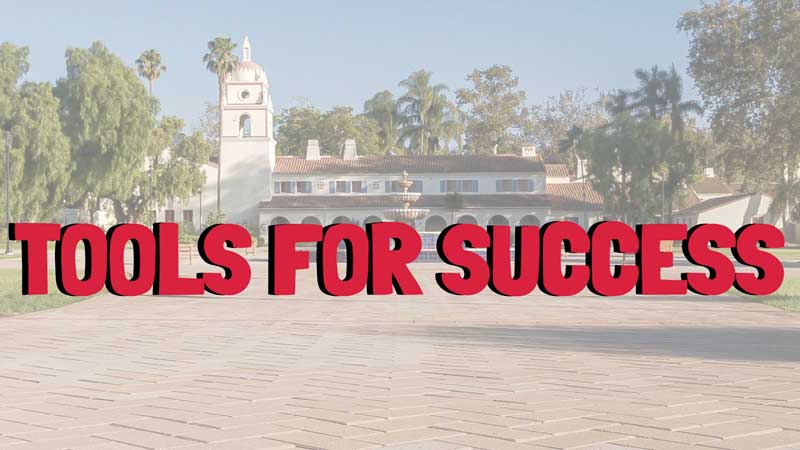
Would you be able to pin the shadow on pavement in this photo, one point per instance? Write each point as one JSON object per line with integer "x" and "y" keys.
{"x": 739, "y": 343}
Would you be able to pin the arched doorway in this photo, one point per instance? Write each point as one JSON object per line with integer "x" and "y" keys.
{"x": 530, "y": 220}
{"x": 311, "y": 220}
{"x": 279, "y": 220}
{"x": 435, "y": 224}
{"x": 468, "y": 219}
{"x": 341, "y": 219}
{"x": 498, "y": 220}
{"x": 372, "y": 219}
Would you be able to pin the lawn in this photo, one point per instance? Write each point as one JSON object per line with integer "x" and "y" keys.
{"x": 786, "y": 298}
{"x": 13, "y": 302}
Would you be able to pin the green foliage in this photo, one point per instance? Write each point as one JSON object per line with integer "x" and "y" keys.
{"x": 255, "y": 234}
{"x": 13, "y": 65}
{"x": 559, "y": 120}
{"x": 497, "y": 119}
{"x": 382, "y": 108}
{"x": 13, "y": 302}
{"x": 745, "y": 61}
{"x": 297, "y": 125}
{"x": 641, "y": 159}
{"x": 339, "y": 124}
{"x": 178, "y": 173}
{"x": 209, "y": 123}
{"x": 149, "y": 67}
{"x": 108, "y": 117}
{"x": 294, "y": 127}
{"x": 40, "y": 167}
{"x": 624, "y": 159}
{"x": 430, "y": 122}
{"x": 221, "y": 61}
{"x": 187, "y": 234}
{"x": 215, "y": 217}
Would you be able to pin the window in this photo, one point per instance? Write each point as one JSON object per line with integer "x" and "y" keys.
{"x": 518, "y": 185}
{"x": 458, "y": 186}
{"x": 339, "y": 187}
{"x": 321, "y": 185}
{"x": 304, "y": 187}
{"x": 169, "y": 215}
{"x": 394, "y": 186}
{"x": 359, "y": 186}
{"x": 245, "y": 126}
{"x": 291, "y": 187}
{"x": 375, "y": 187}
{"x": 188, "y": 216}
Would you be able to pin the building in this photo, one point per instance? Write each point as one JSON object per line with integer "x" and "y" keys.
{"x": 480, "y": 189}
{"x": 711, "y": 200}
{"x": 260, "y": 187}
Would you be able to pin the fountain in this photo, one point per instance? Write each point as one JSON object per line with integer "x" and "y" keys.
{"x": 406, "y": 213}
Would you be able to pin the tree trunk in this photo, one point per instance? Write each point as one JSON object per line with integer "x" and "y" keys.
{"x": 219, "y": 149}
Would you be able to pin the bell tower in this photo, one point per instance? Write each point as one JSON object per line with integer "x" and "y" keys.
{"x": 248, "y": 145}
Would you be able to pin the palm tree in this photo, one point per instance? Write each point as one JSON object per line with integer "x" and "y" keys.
{"x": 570, "y": 143}
{"x": 421, "y": 104}
{"x": 678, "y": 109}
{"x": 149, "y": 67}
{"x": 618, "y": 102}
{"x": 650, "y": 95}
{"x": 221, "y": 61}
{"x": 382, "y": 108}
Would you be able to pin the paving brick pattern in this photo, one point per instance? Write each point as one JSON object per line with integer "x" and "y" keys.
{"x": 431, "y": 372}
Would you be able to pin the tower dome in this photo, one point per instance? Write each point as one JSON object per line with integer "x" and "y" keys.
{"x": 247, "y": 70}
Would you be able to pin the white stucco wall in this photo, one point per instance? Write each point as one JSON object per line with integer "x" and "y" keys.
{"x": 430, "y": 181}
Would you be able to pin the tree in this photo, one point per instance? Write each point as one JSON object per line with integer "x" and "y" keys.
{"x": 294, "y": 127}
{"x": 13, "y": 65}
{"x": 745, "y": 62}
{"x": 221, "y": 61}
{"x": 497, "y": 119}
{"x": 382, "y": 108}
{"x": 209, "y": 123}
{"x": 429, "y": 119}
{"x": 183, "y": 175}
{"x": 649, "y": 98}
{"x": 573, "y": 109}
{"x": 453, "y": 202}
{"x": 149, "y": 67}
{"x": 625, "y": 158}
{"x": 108, "y": 117}
{"x": 174, "y": 170}
{"x": 339, "y": 124}
{"x": 41, "y": 167}
{"x": 297, "y": 125}
{"x": 678, "y": 108}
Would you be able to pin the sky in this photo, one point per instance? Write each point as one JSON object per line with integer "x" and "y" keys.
{"x": 342, "y": 52}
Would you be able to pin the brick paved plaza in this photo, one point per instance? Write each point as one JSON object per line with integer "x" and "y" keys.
{"x": 435, "y": 372}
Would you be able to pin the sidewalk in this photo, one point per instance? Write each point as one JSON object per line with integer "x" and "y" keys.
{"x": 433, "y": 372}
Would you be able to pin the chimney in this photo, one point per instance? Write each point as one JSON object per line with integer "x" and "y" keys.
{"x": 350, "y": 150}
{"x": 528, "y": 151}
{"x": 709, "y": 172}
{"x": 312, "y": 150}
{"x": 581, "y": 171}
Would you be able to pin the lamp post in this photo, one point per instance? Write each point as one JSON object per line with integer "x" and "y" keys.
{"x": 9, "y": 251}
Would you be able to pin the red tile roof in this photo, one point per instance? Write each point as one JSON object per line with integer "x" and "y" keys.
{"x": 580, "y": 194}
{"x": 413, "y": 164}
{"x": 712, "y": 203}
{"x": 556, "y": 170}
{"x": 711, "y": 185}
